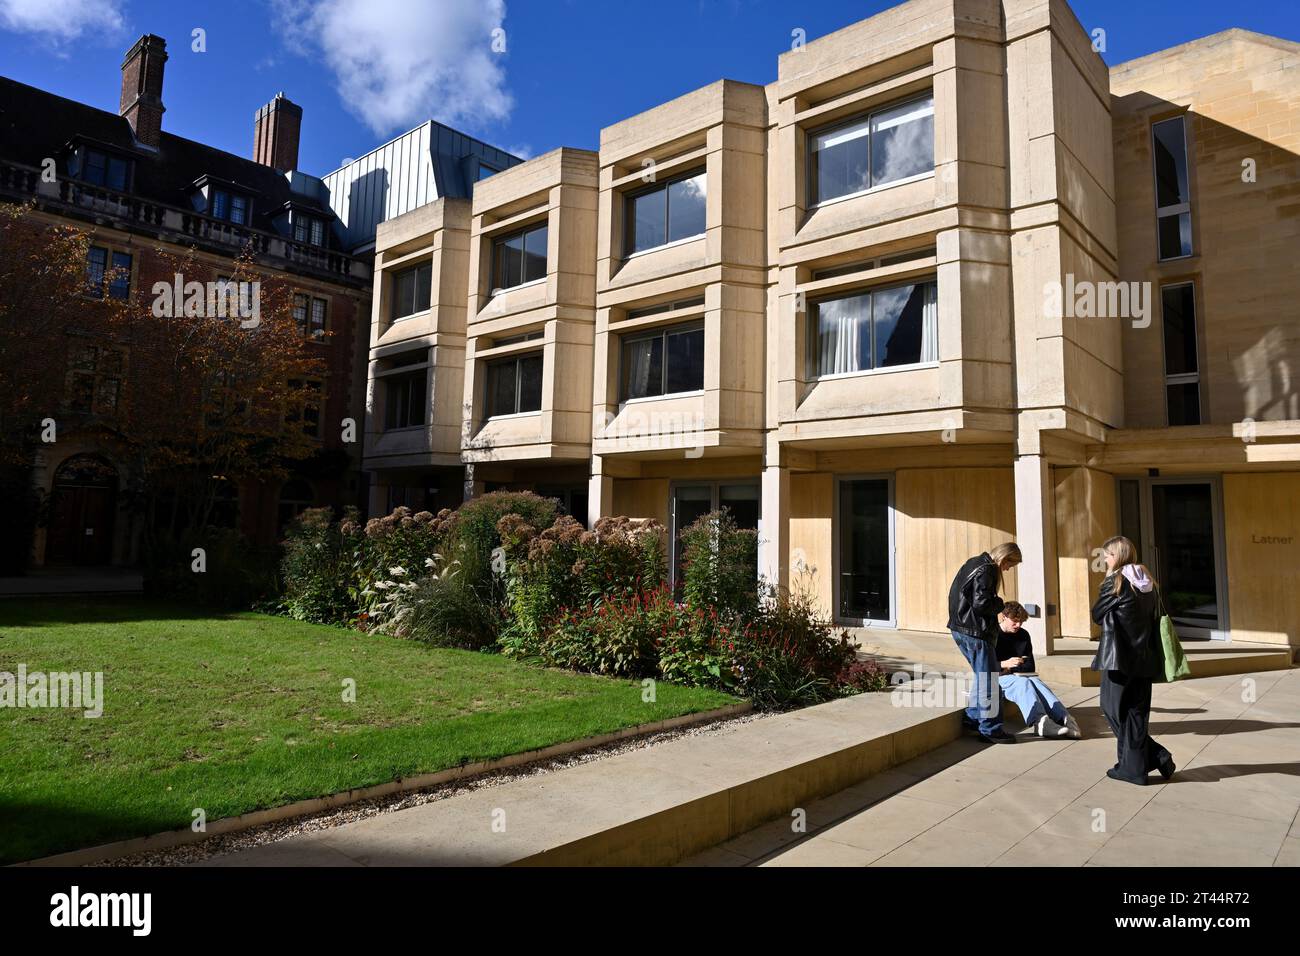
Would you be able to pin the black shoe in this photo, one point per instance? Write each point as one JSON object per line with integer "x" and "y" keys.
{"x": 1167, "y": 767}
{"x": 1116, "y": 775}
{"x": 998, "y": 737}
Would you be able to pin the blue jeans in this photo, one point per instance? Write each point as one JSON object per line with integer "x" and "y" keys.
{"x": 1033, "y": 697}
{"x": 985, "y": 708}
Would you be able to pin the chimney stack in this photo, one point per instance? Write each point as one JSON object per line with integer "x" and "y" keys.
{"x": 275, "y": 134}
{"x": 142, "y": 82}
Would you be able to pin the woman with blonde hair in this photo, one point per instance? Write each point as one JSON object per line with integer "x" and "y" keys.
{"x": 973, "y": 606}
{"x": 1129, "y": 658}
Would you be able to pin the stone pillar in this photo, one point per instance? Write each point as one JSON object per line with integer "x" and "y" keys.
{"x": 600, "y": 492}
{"x": 1035, "y": 533}
{"x": 774, "y": 539}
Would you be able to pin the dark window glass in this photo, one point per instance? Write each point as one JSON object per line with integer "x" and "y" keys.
{"x": 519, "y": 258}
{"x": 535, "y": 254}
{"x": 404, "y": 406}
{"x": 1179, "y": 313}
{"x": 317, "y": 232}
{"x": 316, "y": 329}
{"x": 116, "y": 178}
{"x": 300, "y": 312}
{"x": 238, "y": 209}
{"x": 882, "y": 147}
{"x": 305, "y": 413}
{"x": 666, "y": 213}
{"x": 1170, "y": 148}
{"x": 514, "y": 385}
{"x": 686, "y": 208}
{"x": 1175, "y": 235}
{"x": 96, "y": 267}
{"x": 897, "y": 316}
{"x": 411, "y": 290}
{"x": 1184, "y": 403}
{"x": 299, "y": 228}
{"x": 96, "y": 168}
{"x": 220, "y": 204}
{"x": 663, "y": 362}
{"x": 684, "y": 371}
{"x": 120, "y": 285}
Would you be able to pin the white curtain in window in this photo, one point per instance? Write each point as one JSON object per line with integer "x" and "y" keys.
{"x": 930, "y": 324}
{"x": 639, "y": 366}
{"x": 839, "y": 329}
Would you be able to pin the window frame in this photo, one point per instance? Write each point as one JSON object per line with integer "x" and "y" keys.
{"x": 517, "y": 360}
{"x": 498, "y": 243}
{"x": 629, "y": 219}
{"x": 1182, "y": 378}
{"x": 84, "y": 153}
{"x": 397, "y": 276}
{"x": 304, "y": 399}
{"x": 863, "y": 118}
{"x": 104, "y": 288}
{"x": 1178, "y": 209}
{"x": 812, "y": 335}
{"x": 307, "y": 323}
{"x": 660, "y": 332}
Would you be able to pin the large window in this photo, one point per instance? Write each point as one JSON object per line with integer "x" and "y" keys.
{"x": 663, "y": 361}
{"x": 228, "y": 205}
{"x": 412, "y": 291}
{"x": 884, "y": 146}
{"x": 1173, "y": 194}
{"x": 309, "y": 314}
{"x": 1182, "y": 366}
{"x": 108, "y": 269}
{"x": 405, "y": 394}
{"x": 305, "y": 407}
{"x": 874, "y": 328}
{"x": 308, "y": 229}
{"x": 514, "y": 385}
{"x": 667, "y": 212}
{"x": 519, "y": 257}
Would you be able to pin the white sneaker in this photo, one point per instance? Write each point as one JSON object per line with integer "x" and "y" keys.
{"x": 1072, "y": 727}
{"x": 1047, "y": 727}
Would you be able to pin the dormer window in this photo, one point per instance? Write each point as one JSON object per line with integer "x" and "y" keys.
{"x": 308, "y": 229}
{"x": 230, "y": 206}
{"x": 99, "y": 168}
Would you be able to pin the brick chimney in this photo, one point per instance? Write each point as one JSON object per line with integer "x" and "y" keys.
{"x": 142, "y": 82}
{"x": 275, "y": 134}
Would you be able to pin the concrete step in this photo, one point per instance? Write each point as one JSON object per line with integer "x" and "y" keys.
{"x": 655, "y": 806}
{"x": 1070, "y": 663}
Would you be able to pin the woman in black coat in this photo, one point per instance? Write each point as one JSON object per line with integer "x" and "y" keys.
{"x": 1129, "y": 658}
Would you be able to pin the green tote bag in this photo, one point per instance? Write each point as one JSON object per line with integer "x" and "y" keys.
{"x": 1176, "y": 666}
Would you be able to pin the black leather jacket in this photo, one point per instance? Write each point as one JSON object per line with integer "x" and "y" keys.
{"x": 1130, "y": 629}
{"x": 973, "y": 602}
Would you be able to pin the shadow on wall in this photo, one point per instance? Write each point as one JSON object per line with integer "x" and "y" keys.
{"x": 1245, "y": 235}
{"x": 367, "y": 206}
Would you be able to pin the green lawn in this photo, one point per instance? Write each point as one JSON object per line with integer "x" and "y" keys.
{"x": 231, "y": 713}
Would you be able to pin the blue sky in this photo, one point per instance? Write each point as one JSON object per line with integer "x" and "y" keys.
{"x": 367, "y": 70}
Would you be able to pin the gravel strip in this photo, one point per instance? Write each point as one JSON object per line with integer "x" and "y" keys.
{"x": 284, "y": 829}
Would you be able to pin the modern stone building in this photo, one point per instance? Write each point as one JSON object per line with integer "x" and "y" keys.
{"x": 949, "y": 280}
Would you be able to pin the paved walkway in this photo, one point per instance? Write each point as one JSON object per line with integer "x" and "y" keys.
{"x": 1234, "y": 800}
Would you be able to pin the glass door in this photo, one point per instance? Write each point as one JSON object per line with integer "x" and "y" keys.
{"x": 691, "y": 501}
{"x": 864, "y": 552}
{"x": 1177, "y": 523}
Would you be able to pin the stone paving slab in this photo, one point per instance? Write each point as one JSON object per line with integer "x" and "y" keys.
{"x": 1235, "y": 800}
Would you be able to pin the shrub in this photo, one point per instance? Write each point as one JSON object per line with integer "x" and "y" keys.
{"x": 319, "y": 567}
{"x": 397, "y": 549}
{"x": 788, "y": 655}
{"x": 862, "y": 677}
{"x": 462, "y": 604}
{"x": 474, "y": 524}
{"x": 720, "y": 564}
{"x": 566, "y": 567}
{"x": 619, "y": 636}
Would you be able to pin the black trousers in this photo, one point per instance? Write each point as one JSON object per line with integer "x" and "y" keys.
{"x": 1126, "y": 704}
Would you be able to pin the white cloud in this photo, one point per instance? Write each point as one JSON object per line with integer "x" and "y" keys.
{"x": 397, "y": 63}
{"x": 62, "y": 20}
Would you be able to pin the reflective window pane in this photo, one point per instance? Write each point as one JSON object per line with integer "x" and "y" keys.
{"x": 1169, "y": 146}
{"x": 686, "y": 208}
{"x": 535, "y": 254}
{"x": 902, "y": 141}
{"x": 843, "y": 342}
{"x": 841, "y": 162}
{"x": 898, "y": 315}
{"x": 1184, "y": 403}
{"x": 510, "y": 262}
{"x": 1179, "y": 313}
{"x": 647, "y": 215}
{"x": 685, "y": 353}
{"x": 1175, "y": 235}
{"x": 530, "y": 383}
{"x": 501, "y": 388}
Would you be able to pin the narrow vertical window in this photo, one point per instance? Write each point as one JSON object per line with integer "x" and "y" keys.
{"x": 1173, "y": 193}
{"x": 1182, "y": 366}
